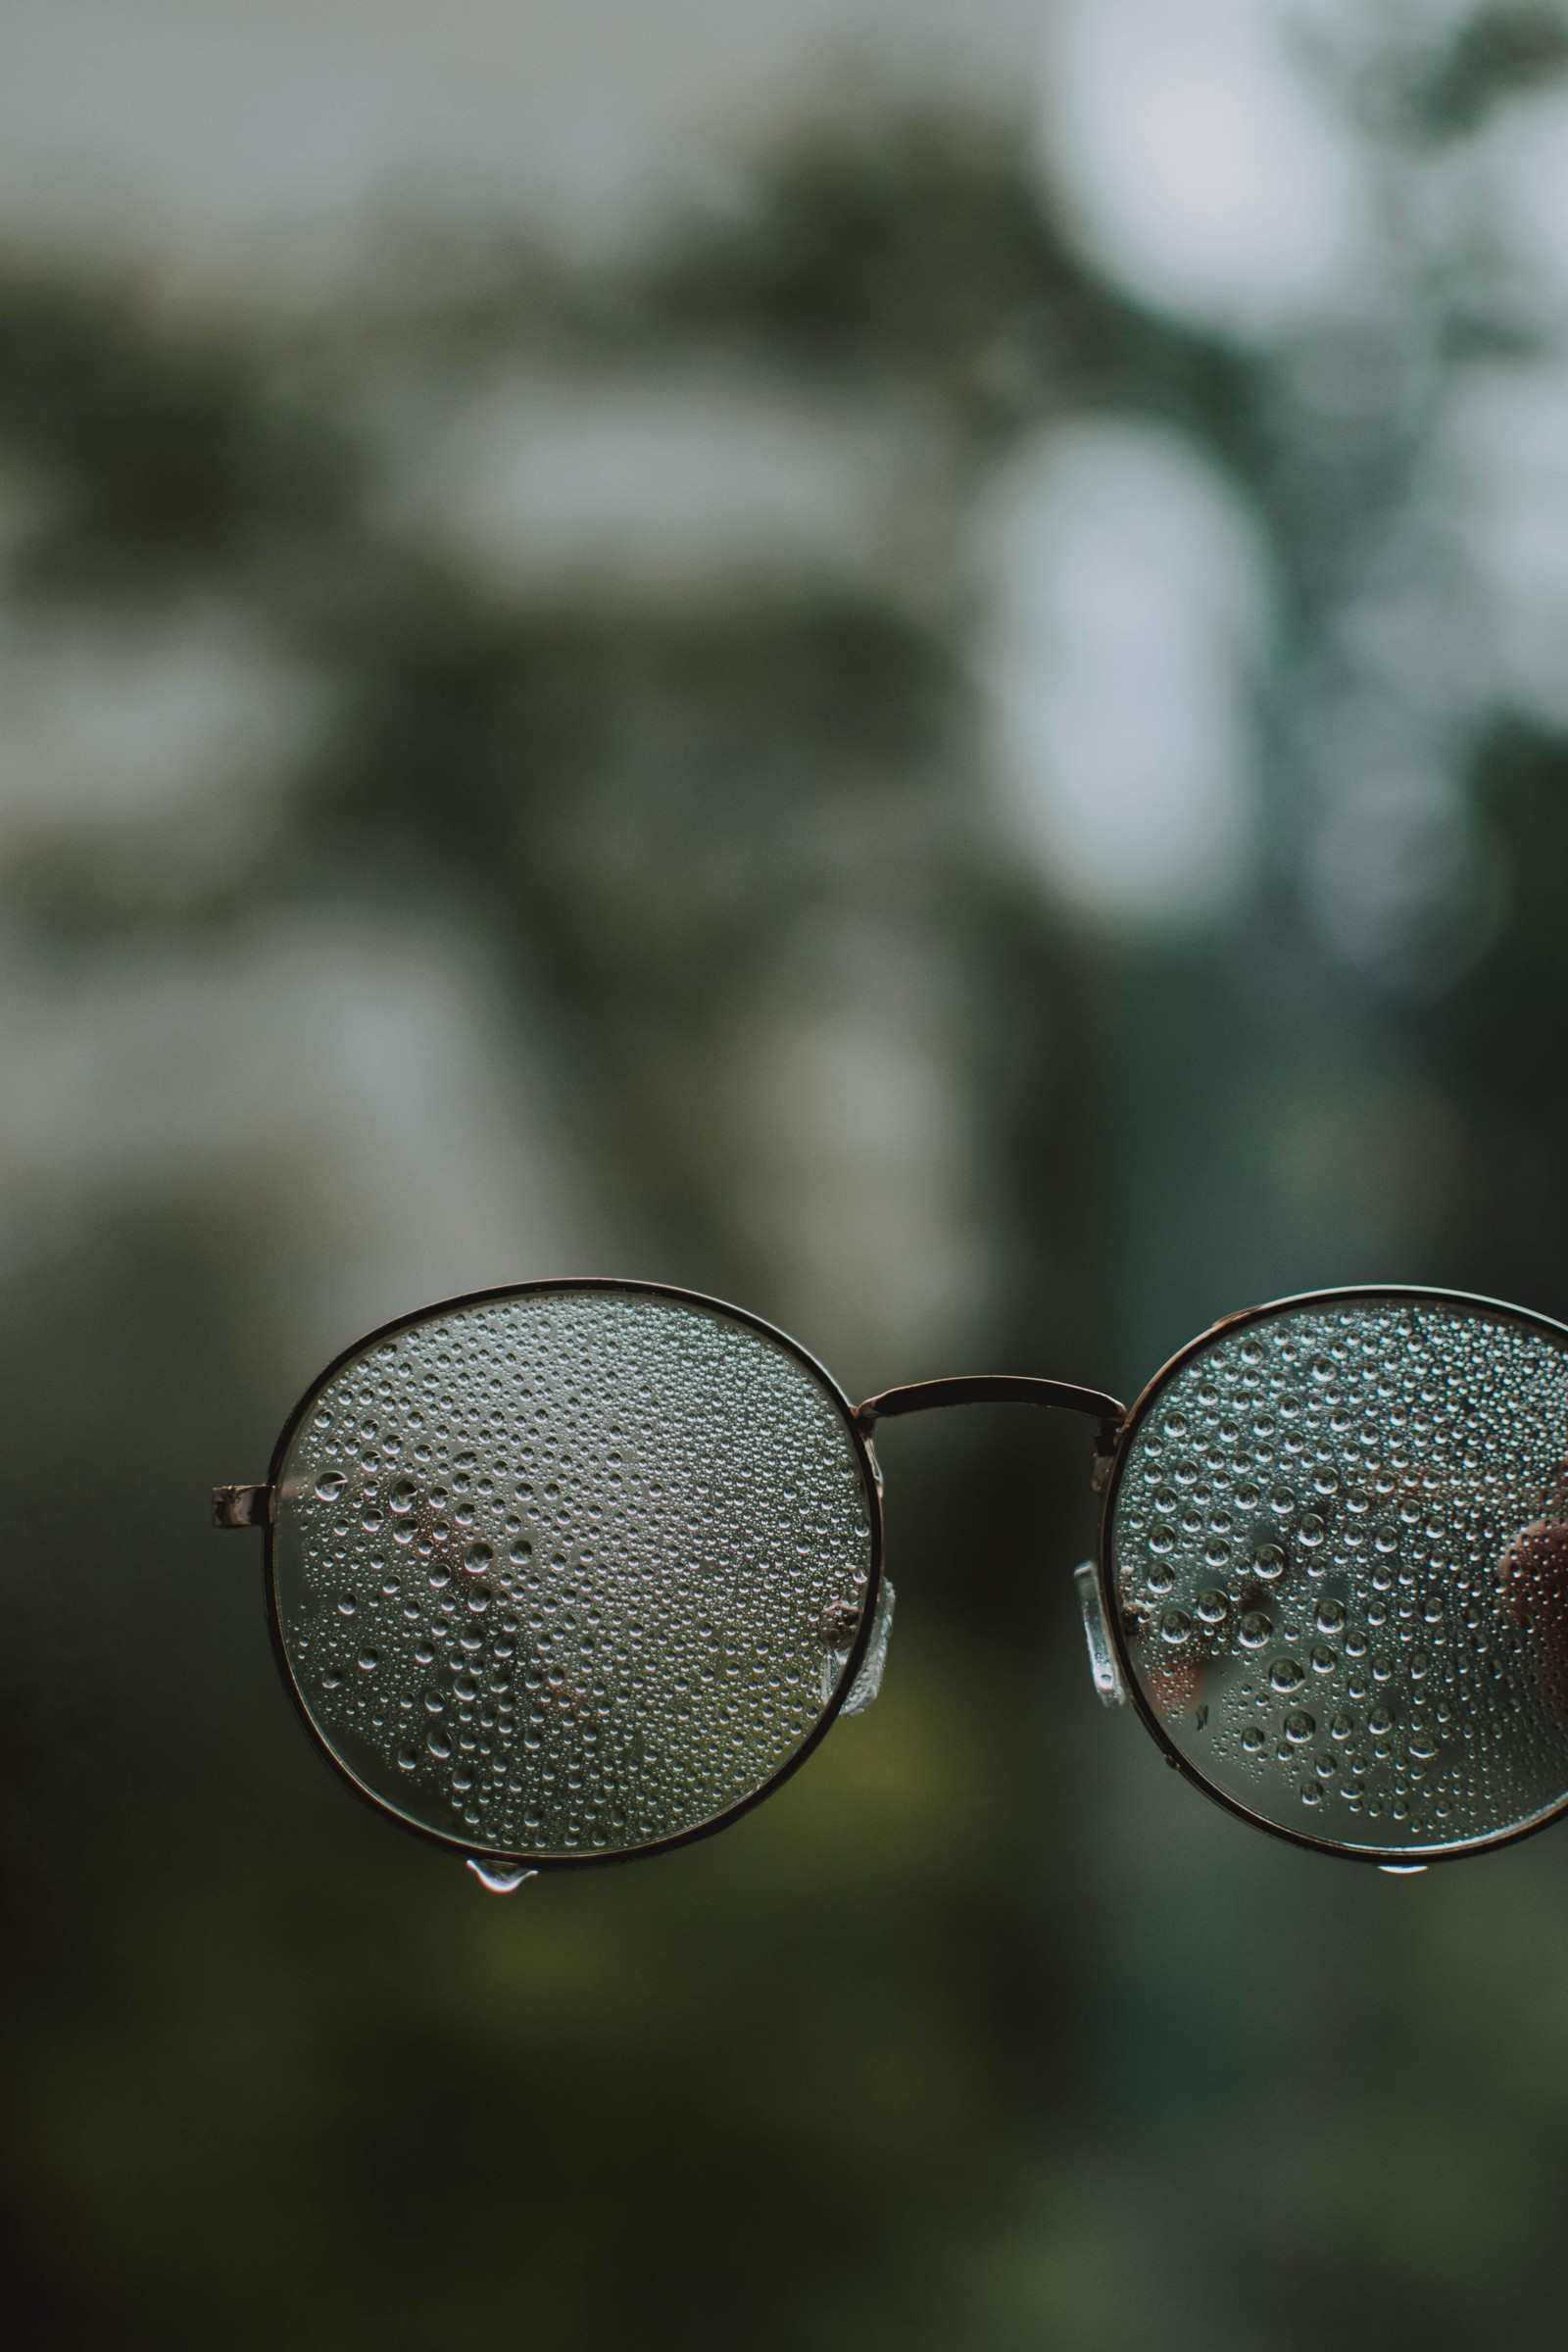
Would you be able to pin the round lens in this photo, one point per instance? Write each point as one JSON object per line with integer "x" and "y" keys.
{"x": 571, "y": 1571}
{"x": 1339, "y": 1553}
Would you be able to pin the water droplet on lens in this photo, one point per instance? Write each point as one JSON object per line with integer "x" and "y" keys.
{"x": 1175, "y": 1624}
{"x": 1286, "y": 1675}
{"x": 1330, "y": 1616}
{"x": 1298, "y": 1728}
{"x": 700, "y": 1501}
{"x": 1253, "y": 1630}
{"x": 1212, "y": 1607}
{"x": 1268, "y": 1562}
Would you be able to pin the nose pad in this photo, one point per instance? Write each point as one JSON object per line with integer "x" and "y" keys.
{"x": 869, "y": 1681}
{"x": 1110, "y": 1689}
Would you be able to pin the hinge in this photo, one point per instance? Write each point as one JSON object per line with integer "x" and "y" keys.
{"x": 242, "y": 1506}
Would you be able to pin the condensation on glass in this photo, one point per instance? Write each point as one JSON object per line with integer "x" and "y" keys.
{"x": 557, "y": 1573}
{"x": 1339, "y": 1552}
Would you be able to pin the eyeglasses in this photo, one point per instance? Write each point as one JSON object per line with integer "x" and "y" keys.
{"x": 576, "y": 1571}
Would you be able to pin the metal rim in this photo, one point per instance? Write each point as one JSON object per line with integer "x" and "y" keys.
{"x": 1379, "y": 1856}
{"x": 519, "y": 1290}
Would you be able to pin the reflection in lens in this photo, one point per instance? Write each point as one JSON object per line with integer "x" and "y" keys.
{"x": 1339, "y": 1552}
{"x": 557, "y": 1571}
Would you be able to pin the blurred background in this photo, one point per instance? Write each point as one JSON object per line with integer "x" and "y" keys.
{"x": 906, "y": 663}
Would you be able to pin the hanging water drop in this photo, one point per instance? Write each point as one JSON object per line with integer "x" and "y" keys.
{"x": 500, "y": 1877}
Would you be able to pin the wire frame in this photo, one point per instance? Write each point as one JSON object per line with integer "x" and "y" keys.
{"x": 417, "y": 1511}
{"x": 1504, "y": 1414}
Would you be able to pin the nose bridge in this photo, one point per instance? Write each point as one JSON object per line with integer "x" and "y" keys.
{"x": 990, "y": 1387}
{"x": 1004, "y": 1387}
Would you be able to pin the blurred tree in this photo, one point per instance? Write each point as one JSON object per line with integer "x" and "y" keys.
{"x": 855, "y": 2073}
{"x": 764, "y": 2095}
